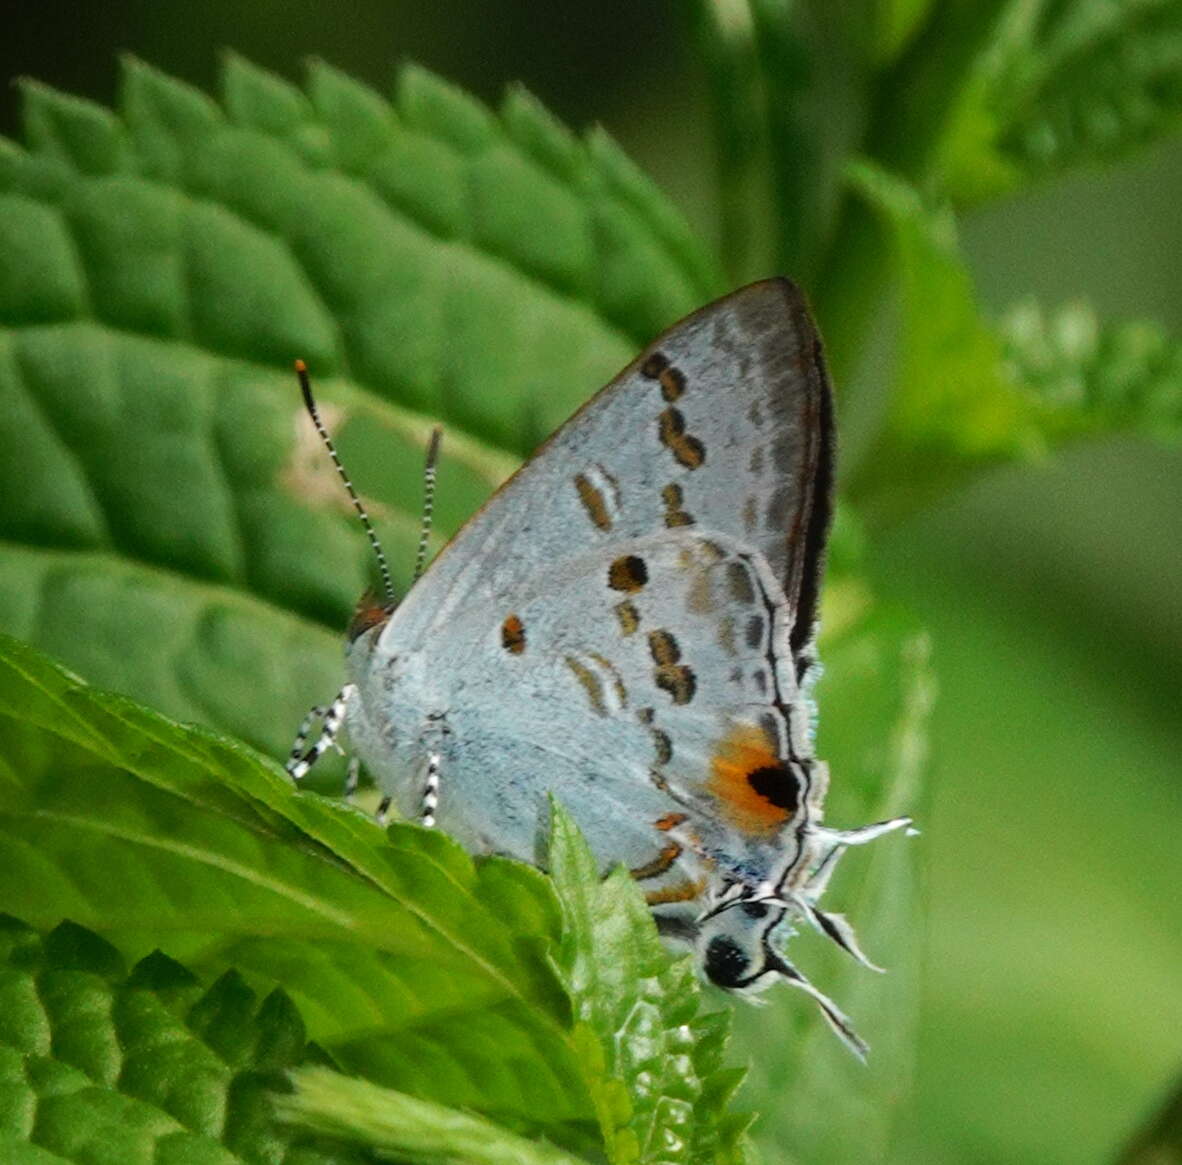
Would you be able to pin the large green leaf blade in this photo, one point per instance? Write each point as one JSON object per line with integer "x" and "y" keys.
{"x": 400, "y": 950}
{"x": 97, "y": 1064}
{"x": 173, "y": 530}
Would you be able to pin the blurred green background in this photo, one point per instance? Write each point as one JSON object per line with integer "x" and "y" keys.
{"x": 1053, "y": 988}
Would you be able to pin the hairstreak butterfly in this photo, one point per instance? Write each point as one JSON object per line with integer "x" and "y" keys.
{"x": 629, "y": 624}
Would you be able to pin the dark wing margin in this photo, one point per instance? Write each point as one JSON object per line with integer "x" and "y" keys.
{"x": 808, "y": 403}
{"x": 819, "y": 514}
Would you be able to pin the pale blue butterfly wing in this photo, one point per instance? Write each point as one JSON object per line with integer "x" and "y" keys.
{"x": 533, "y": 661}
{"x": 644, "y": 690}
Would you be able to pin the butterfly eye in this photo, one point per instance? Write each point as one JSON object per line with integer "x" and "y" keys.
{"x": 755, "y": 909}
{"x": 725, "y": 963}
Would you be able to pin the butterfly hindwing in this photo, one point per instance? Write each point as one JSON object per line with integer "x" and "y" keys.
{"x": 651, "y": 687}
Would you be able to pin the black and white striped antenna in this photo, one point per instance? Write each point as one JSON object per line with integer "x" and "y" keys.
{"x": 310, "y": 404}
{"x": 428, "y": 499}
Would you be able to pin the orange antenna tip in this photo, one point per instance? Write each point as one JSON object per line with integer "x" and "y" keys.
{"x": 300, "y": 366}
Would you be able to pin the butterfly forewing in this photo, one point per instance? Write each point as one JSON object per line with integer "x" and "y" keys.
{"x": 722, "y": 424}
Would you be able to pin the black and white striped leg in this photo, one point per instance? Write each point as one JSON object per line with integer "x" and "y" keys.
{"x": 430, "y": 792}
{"x": 352, "y": 777}
{"x": 316, "y": 712}
{"x": 383, "y": 813}
{"x": 332, "y": 718}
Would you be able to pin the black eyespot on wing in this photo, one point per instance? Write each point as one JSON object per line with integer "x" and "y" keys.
{"x": 725, "y": 963}
{"x": 754, "y": 909}
{"x": 777, "y": 785}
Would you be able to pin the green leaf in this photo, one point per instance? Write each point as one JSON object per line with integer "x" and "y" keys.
{"x": 914, "y": 114}
{"x": 1074, "y": 82}
{"x": 171, "y": 528}
{"x": 725, "y": 41}
{"x": 968, "y": 394}
{"x": 100, "y": 1065}
{"x": 791, "y": 84}
{"x": 952, "y": 406}
{"x": 817, "y": 1102}
{"x": 397, "y": 1124}
{"x": 410, "y": 962}
{"x": 1089, "y": 377}
{"x": 652, "y": 1062}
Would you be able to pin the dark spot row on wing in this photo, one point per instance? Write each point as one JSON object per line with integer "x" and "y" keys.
{"x": 627, "y": 616}
{"x": 740, "y": 582}
{"x": 593, "y": 502}
{"x": 591, "y": 684}
{"x": 676, "y": 679}
{"x": 663, "y": 745}
{"x": 674, "y": 498}
{"x": 672, "y": 380}
{"x": 663, "y": 647}
{"x": 687, "y": 450}
{"x": 669, "y": 674}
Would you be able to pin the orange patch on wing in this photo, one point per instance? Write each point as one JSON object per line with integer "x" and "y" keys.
{"x": 659, "y": 865}
{"x": 669, "y": 821}
{"x": 513, "y": 635}
{"x": 754, "y": 787}
{"x": 677, "y": 892}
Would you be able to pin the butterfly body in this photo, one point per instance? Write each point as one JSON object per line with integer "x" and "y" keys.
{"x": 628, "y": 625}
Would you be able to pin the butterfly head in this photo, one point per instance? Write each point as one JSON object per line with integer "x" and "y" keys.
{"x": 372, "y": 610}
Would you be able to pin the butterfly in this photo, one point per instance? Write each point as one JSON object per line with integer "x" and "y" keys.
{"x": 629, "y": 624}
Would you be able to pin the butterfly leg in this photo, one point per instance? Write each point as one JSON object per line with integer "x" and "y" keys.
{"x": 352, "y": 777}
{"x": 332, "y": 718}
{"x": 430, "y": 800}
{"x": 430, "y": 792}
